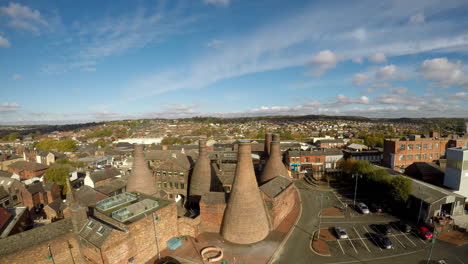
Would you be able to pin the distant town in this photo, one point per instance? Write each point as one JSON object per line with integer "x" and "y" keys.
{"x": 280, "y": 189}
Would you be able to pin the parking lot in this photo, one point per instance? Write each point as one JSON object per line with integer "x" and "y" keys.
{"x": 362, "y": 242}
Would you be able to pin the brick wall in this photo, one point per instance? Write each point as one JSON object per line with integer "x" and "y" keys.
{"x": 211, "y": 216}
{"x": 280, "y": 206}
{"x": 188, "y": 226}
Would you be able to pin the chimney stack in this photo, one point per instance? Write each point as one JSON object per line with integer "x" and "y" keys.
{"x": 267, "y": 143}
{"x": 245, "y": 219}
{"x": 274, "y": 166}
{"x": 201, "y": 176}
{"x": 141, "y": 178}
{"x": 275, "y": 137}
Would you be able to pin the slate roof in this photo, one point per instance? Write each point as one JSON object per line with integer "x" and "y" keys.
{"x": 35, "y": 188}
{"x": 28, "y": 166}
{"x": 35, "y": 236}
{"x": 90, "y": 232}
{"x": 317, "y": 152}
{"x": 330, "y": 141}
{"x": 214, "y": 198}
{"x": 57, "y": 205}
{"x": 180, "y": 158}
{"x": 104, "y": 174}
{"x": 87, "y": 196}
{"x": 275, "y": 186}
{"x": 5, "y": 174}
{"x": 112, "y": 186}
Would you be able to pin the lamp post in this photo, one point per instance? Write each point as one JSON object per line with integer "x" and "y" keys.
{"x": 420, "y": 206}
{"x": 320, "y": 212}
{"x": 156, "y": 218}
{"x": 50, "y": 256}
{"x": 355, "y": 187}
{"x": 434, "y": 237}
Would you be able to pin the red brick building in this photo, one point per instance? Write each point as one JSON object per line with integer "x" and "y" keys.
{"x": 400, "y": 153}
{"x": 39, "y": 193}
{"x": 330, "y": 143}
{"x": 27, "y": 170}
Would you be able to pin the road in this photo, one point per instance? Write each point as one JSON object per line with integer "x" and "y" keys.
{"x": 407, "y": 248}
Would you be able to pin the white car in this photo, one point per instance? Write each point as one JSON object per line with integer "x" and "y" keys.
{"x": 363, "y": 208}
{"x": 341, "y": 232}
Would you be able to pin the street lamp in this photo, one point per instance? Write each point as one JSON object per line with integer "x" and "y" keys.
{"x": 156, "y": 218}
{"x": 434, "y": 237}
{"x": 321, "y": 208}
{"x": 355, "y": 187}
{"x": 420, "y": 206}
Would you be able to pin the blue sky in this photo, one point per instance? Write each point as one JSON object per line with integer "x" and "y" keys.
{"x": 73, "y": 61}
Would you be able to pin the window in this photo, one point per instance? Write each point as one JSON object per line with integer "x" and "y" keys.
{"x": 317, "y": 159}
{"x": 436, "y": 155}
{"x": 430, "y": 145}
{"x": 417, "y": 157}
{"x": 165, "y": 185}
{"x": 402, "y": 146}
{"x": 7, "y": 202}
{"x": 182, "y": 186}
{"x": 181, "y": 174}
{"x": 91, "y": 224}
{"x": 436, "y": 145}
{"x": 171, "y": 196}
{"x": 170, "y": 185}
{"x": 425, "y": 146}
{"x": 410, "y": 146}
{"x": 418, "y": 146}
{"x": 176, "y": 184}
{"x": 424, "y": 156}
{"x": 158, "y": 173}
{"x": 430, "y": 156}
{"x": 101, "y": 230}
{"x": 409, "y": 157}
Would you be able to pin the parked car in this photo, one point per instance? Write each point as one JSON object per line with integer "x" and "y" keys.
{"x": 384, "y": 241}
{"x": 424, "y": 233}
{"x": 363, "y": 208}
{"x": 404, "y": 227}
{"x": 384, "y": 229}
{"x": 340, "y": 232}
{"x": 376, "y": 208}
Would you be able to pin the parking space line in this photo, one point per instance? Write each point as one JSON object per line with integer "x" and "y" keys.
{"x": 404, "y": 235}
{"x": 340, "y": 246}
{"x": 362, "y": 240}
{"x": 420, "y": 239}
{"x": 352, "y": 244}
{"x": 377, "y": 244}
{"x": 399, "y": 241}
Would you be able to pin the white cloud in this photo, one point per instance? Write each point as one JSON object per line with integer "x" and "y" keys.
{"x": 88, "y": 69}
{"x": 417, "y": 19}
{"x": 360, "y": 79}
{"x": 215, "y": 43}
{"x": 444, "y": 72}
{"x": 16, "y": 77}
{"x": 378, "y": 57}
{"x": 5, "y": 43}
{"x": 9, "y": 105}
{"x": 389, "y": 73}
{"x": 22, "y": 17}
{"x": 399, "y": 90}
{"x": 358, "y": 60}
{"x": 359, "y": 34}
{"x": 323, "y": 61}
{"x": 458, "y": 96}
{"x": 217, "y": 2}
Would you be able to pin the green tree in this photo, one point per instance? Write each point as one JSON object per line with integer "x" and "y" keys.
{"x": 66, "y": 145}
{"x": 12, "y": 136}
{"x": 400, "y": 188}
{"x": 58, "y": 174}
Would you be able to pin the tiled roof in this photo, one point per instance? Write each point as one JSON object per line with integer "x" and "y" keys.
{"x": 104, "y": 174}
{"x": 112, "y": 186}
{"x": 275, "y": 186}
{"x": 29, "y": 166}
{"x": 96, "y": 232}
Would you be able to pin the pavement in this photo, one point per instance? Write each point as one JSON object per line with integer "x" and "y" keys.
{"x": 361, "y": 246}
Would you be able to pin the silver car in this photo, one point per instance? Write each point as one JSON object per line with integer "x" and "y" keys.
{"x": 363, "y": 208}
{"x": 341, "y": 232}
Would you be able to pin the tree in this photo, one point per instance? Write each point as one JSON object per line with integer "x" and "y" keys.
{"x": 12, "y": 137}
{"x": 58, "y": 174}
{"x": 400, "y": 188}
{"x": 66, "y": 145}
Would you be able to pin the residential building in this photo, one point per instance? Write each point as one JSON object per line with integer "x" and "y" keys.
{"x": 372, "y": 155}
{"x": 330, "y": 143}
{"x": 314, "y": 162}
{"x": 456, "y": 171}
{"x": 39, "y": 194}
{"x": 11, "y": 188}
{"x": 27, "y": 170}
{"x": 100, "y": 177}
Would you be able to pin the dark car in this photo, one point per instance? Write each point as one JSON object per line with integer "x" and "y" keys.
{"x": 376, "y": 208}
{"x": 383, "y": 229}
{"x": 404, "y": 227}
{"x": 384, "y": 241}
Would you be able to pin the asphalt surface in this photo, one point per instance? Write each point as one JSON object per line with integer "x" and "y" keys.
{"x": 361, "y": 247}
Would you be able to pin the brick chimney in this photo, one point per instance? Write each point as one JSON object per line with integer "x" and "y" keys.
{"x": 141, "y": 179}
{"x": 274, "y": 166}
{"x": 267, "y": 143}
{"x": 201, "y": 176}
{"x": 245, "y": 219}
